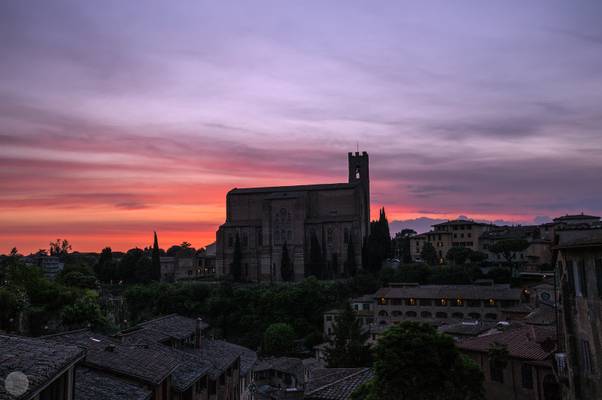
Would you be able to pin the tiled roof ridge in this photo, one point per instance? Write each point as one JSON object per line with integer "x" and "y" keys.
{"x": 66, "y": 333}
{"x": 361, "y": 371}
{"x": 160, "y": 318}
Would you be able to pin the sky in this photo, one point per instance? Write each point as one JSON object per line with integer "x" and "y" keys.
{"x": 118, "y": 118}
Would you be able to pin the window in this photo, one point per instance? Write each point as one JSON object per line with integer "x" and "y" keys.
{"x": 410, "y": 302}
{"x": 426, "y": 302}
{"x": 365, "y": 306}
{"x": 599, "y": 276}
{"x": 426, "y": 314}
{"x": 571, "y": 276}
{"x": 490, "y": 303}
{"x": 491, "y": 317}
{"x": 474, "y": 315}
{"x": 527, "y": 376}
{"x": 473, "y": 303}
{"x": 329, "y": 235}
{"x": 457, "y": 303}
{"x": 442, "y": 302}
{"x": 411, "y": 314}
{"x": 346, "y": 235}
{"x": 497, "y": 373}
{"x": 397, "y": 313}
{"x": 382, "y": 301}
{"x": 457, "y": 315}
{"x": 586, "y": 357}
{"x": 383, "y": 313}
{"x": 441, "y": 315}
{"x": 396, "y": 302}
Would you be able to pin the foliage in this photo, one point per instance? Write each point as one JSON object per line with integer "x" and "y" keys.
{"x": 402, "y": 245}
{"x": 316, "y": 257}
{"x": 236, "y": 265}
{"x": 507, "y": 248}
{"x": 498, "y": 355}
{"x": 458, "y": 255}
{"x": 377, "y": 247}
{"x": 156, "y": 259}
{"x": 429, "y": 254}
{"x": 286, "y": 266}
{"x": 350, "y": 262}
{"x": 80, "y": 280}
{"x": 59, "y": 248}
{"x": 106, "y": 268}
{"x": 278, "y": 340}
{"x": 83, "y": 312}
{"x": 414, "y": 362}
{"x": 348, "y": 348}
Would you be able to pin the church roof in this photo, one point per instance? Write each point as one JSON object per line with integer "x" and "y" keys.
{"x": 294, "y": 188}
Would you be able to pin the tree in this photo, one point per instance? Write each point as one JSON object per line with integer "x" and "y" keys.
{"x": 429, "y": 254}
{"x": 316, "y": 257}
{"x": 477, "y": 257}
{"x": 60, "y": 248}
{"x": 414, "y": 362}
{"x": 236, "y": 264}
{"x": 402, "y": 245}
{"x": 278, "y": 340}
{"x": 350, "y": 262}
{"x": 185, "y": 245}
{"x": 508, "y": 249}
{"x": 348, "y": 348}
{"x": 286, "y": 266}
{"x": 458, "y": 255}
{"x": 378, "y": 244}
{"x": 156, "y": 260}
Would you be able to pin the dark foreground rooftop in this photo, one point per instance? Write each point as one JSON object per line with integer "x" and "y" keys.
{"x": 95, "y": 385}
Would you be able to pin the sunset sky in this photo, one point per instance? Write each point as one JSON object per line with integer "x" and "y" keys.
{"x": 120, "y": 117}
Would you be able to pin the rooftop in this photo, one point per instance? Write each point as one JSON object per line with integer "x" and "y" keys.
{"x": 461, "y": 222}
{"x": 174, "y": 325}
{"x": 528, "y": 342}
{"x": 107, "y": 354}
{"x": 219, "y": 354}
{"x": 476, "y": 292}
{"x": 95, "y": 385}
{"x": 40, "y": 360}
{"x": 288, "y": 365}
{"x": 574, "y": 217}
{"x": 294, "y": 188}
{"x": 336, "y": 383}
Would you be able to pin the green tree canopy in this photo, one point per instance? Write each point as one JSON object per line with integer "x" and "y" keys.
{"x": 458, "y": 255}
{"x": 286, "y": 266}
{"x": 507, "y": 248}
{"x": 236, "y": 264}
{"x": 348, "y": 348}
{"x": 278, "y": 340}
{"x": 429, "y": 254}
{"x": 414, "y": 362}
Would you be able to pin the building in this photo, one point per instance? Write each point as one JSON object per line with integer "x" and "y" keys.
{"x": 34, "y": 369}
{"x": 439, "y": 304}
{"x": 51, "y": 266}
{"x": 264, "y": 219}
{"x": 363, "y": 307}
{"x": 162, "y": 359}
{"x": 527, "y": 372}
{"x": 579, "y": 284}
{"x": 537, "y": 255}
{"x": 444, "y": 236}
{"x": 336, "y": 383}
{"x": 189, "y": 264}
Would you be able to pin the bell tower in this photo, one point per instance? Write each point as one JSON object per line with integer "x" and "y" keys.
{"x": 359, "y": 171}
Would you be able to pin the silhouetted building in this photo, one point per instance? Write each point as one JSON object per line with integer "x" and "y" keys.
{"x": 264, "y": 219}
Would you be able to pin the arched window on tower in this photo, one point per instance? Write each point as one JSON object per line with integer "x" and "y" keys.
{"x": 357, "y": 172}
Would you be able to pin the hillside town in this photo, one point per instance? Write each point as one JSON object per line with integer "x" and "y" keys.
{"x": 303, "y": 297}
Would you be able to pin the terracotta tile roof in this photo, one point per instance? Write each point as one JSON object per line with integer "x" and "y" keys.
{"x": 294, "y": 188}
{"x": 337, "y": 385}
{"x": 40, "y": 360}
{"x": 529, "y": 342}
{"x": 174, "y": 326}
{"x": 289, "y": 365}
{"x": 477, "y": 292}
{"x": 218, "y": 353}
{"x": 95, "y": 385}
{"x": 105, "y": 353}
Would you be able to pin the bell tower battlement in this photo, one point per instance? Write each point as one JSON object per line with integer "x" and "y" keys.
{"x": 359, "y": 171}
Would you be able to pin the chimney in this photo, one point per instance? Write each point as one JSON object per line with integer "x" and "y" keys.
{"x": 197, "y": 334}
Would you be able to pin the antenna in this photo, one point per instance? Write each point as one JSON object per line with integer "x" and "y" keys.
{"x": 357, "y": 146}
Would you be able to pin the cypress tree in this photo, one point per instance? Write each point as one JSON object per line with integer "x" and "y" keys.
{"x": 348, "y": 348}
{"x": 316, "y": 258}
{"x": 286, "y": 266}
{"x": 236, "y": 265}
{"x": 156, "y": 261}
{"x": 350, "y": 264}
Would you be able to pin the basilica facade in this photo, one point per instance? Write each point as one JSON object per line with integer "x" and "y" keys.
{"x": 265, "y": 219}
